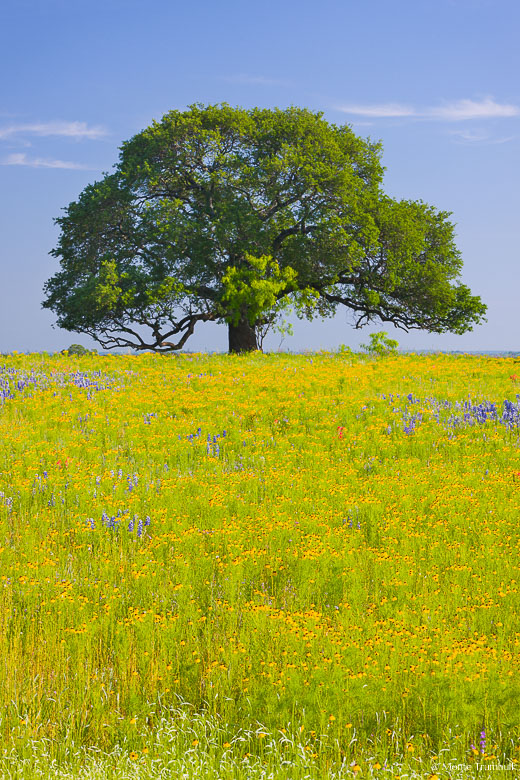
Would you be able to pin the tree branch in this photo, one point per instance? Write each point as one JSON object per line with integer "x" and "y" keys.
{"x": 109, "y": 338}
{"x": 292, "y": 231}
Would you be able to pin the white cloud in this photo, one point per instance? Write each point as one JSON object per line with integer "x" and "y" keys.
{"x": 480, "y": 138}
{"x": 76, "y": 130}
{"x": 503, "y": 140}
{"x": 20, "y": 158}
{"x": 471, "y": 136}
{"x": 379, "y": 110}
{"x": 472, "y": 109}
{"x": 460, "y": 110}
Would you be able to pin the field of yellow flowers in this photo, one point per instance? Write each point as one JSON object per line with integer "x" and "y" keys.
{"x": 307, "y": 565}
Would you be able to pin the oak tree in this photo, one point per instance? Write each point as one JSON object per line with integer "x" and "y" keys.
{"x": 227, "y": 215}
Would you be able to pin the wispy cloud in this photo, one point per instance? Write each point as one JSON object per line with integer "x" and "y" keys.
{"x": 20, "y": 158}
{"x": 472, "y": 109}
{"x": 379, "y": 110}
{"x": 480, "y": 138}
{"x": 470, "y": 136}
{"x": 75, "y": 130}
{"x": 460, "y": 110}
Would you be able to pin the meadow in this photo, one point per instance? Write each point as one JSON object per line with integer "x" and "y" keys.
{"x": 259, "y": 566}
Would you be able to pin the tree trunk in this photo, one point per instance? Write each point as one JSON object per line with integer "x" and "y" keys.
{"x": 242, "y": 337}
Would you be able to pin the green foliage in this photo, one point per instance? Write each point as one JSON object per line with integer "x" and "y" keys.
{"x": 238, "y": 216}
{"x": 380, "y": 345}
{"x": 107, "y": 292}
{"x": 254, "y": 288}
{"x": 345, "y": 351}
{"x": 78, "y": 349}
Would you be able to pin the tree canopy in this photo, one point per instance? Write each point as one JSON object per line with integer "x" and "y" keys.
{"x": 230, "y": 215}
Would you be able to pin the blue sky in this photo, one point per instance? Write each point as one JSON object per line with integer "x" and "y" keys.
{"x": 435, "y": 80}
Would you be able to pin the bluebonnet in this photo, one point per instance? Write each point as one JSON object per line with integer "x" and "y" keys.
{"x": 350, "y": 518}
{"x": 212, "y": 447}
{"x": 461, "y": 414}
{"x": 114, "y": 522}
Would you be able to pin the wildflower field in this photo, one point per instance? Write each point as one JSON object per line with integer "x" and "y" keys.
{"x": 259, "y": 566}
